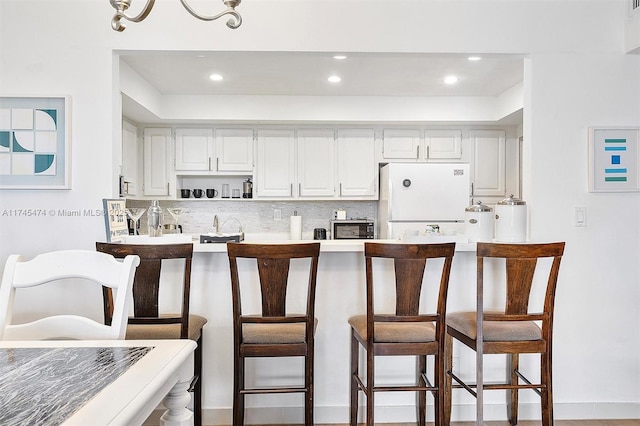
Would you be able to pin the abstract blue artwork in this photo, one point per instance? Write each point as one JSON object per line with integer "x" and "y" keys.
{"x": 34, "y": 143}
{"x": 613, "y": 159}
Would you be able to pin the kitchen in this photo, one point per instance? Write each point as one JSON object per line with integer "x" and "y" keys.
{"x": 558, "y": 109}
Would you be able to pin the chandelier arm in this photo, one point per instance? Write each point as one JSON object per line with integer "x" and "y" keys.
{"x": 121, "y": 7}
{"x": 233, "y": 23}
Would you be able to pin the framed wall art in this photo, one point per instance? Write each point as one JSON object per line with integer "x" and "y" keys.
{"x": 613, "y": 159}
{"x": 35, "y": 143}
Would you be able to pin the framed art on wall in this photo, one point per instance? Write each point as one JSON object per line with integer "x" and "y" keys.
{"x": 613, "y": 159}
{"x": 35, "y": 143}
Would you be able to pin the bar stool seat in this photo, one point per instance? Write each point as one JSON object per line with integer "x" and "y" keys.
{"x": 494, "y": 331}
{"x": 394, "y": 332}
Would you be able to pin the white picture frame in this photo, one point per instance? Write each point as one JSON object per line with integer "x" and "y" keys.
{"x": 614, "y": 157}
{"x": 35, "y": 142}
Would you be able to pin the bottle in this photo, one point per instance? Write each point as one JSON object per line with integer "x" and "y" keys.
{"x": 155, "y": 219}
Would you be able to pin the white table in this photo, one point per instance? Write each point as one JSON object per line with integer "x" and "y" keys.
{"x": 116, "y": 382}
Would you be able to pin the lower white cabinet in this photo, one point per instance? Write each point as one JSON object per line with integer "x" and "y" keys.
{"x": 275, "y": 163}
{"x": 156, "y": 152}
{"x": 489, "y": 160}
{"x": 357, "y": 166}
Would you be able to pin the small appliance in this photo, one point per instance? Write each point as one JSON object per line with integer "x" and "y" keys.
{"x": 353, "y": 229}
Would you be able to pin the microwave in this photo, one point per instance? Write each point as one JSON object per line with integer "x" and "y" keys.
{"x": 354, "y": 229}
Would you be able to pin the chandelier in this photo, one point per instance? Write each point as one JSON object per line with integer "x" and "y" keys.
{"x": 121, "y": 7}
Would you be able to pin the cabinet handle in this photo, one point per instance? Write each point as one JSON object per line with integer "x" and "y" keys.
{"x": 168, "y": 190}
{"x": 291, "y": 190}
{"x": 299, "y": 189}
{"x": 341, "y": 189}
{"x": 428, "y": 152}
{"x": 217, "y": 163}
{"x": 472, "y": 194}
{"x": 209, "y": 163}
{"x": 418, "y": 152}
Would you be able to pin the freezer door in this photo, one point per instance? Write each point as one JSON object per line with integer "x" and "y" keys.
{"x": 433, "y": 192}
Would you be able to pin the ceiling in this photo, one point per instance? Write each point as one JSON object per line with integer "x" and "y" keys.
{"x": 306, "y": 73}
{"x": 303, "y": 73}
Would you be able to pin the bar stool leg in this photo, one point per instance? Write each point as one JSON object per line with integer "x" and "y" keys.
{"x": 308, "y": 402}
{"x": 547, "y": 394}
{"x": 238, "y": 396}
{"x": 370, "y": 385}
{"x": 421, "y": 396}
{"x": 512, "y": 402}
{"x": 448, "y": 381}
{"x": 354, "y": 388}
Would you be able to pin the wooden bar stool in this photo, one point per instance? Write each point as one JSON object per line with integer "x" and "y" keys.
{"x": 513, "y": 330}
{"x": 406, "y": 331}
{"x": 147, "y": 321}
{"x": 274, "y": 332}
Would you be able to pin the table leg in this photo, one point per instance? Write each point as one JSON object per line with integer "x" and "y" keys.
{"x": 176, "y": 402}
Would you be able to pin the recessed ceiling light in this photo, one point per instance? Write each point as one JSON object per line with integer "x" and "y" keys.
{"x": 334, "y": 79}
{"x": 216, "y": 77}
{"x": 451, "y": 79}
{"x": 339, "y": 57}
{"x": 474, "y": 58}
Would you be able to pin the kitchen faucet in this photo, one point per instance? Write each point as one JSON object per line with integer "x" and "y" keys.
{"x": 216, "y": 226}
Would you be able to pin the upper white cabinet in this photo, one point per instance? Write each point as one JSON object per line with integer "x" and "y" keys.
{"x": 130, "y": 158}
{"x": 401, "y": 144}
{"x": 407, "y": 145}
{"x": 488, "y": 162}
{"x": 234, "y": 150}
{"x": 156, "y": 152}
{"x": 357, "y": 166}
{"x": 195, "y": 150}
{"x": 443, "y": 144}
{"x": 275, "y": 163}
{"x": 316, "y": 163}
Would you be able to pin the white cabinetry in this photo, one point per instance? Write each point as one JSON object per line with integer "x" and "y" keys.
{"x": 488, "y": 162}
{"x": 157, "y": 174}
{"x": 130, "y": 159}
{"x": 443, "y": 144}
{"x": 401, "y": 144}
{"x": 194, "y": 150}
{"x": 275, "y": 165}
{"x": 357, "y": 166}
{"x": 234, "y": 150}
{"x": 316, "y": 163}
{"x": 407, "y": 145}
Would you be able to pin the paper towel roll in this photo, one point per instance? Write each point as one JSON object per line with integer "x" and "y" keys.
{"x": 295, "y": 227}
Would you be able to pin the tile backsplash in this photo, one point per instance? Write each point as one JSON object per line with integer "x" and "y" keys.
{"x": 256, "y": 216}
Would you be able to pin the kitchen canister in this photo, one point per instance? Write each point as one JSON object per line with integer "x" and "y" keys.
{"x": 511, "y": 220}
{"x": 479, "y": 222}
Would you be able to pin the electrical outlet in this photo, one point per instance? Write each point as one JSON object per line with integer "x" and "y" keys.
{"x": 277, "y": 214}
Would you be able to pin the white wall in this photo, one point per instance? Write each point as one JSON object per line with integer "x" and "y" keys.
{"x": 577, "y": 75}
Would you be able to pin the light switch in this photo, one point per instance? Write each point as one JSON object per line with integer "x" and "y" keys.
{"x": 277, "y": 214}
{"x": 580, "y": 216}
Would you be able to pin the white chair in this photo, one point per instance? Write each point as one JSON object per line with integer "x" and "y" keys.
{"x": 84, "y": 267}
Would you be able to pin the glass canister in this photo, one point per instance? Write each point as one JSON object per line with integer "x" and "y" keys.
{"x": 511, "y": 220}
{"x": 155, "y": 219}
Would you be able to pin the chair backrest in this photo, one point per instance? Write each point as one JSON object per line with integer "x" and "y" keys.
{"x": 273, "y": 261}
{"x": 82, "y": 267}
{"x": 521, "y": 262}
{"x": 410, "y": 261}
{"x": 146, "y": 284}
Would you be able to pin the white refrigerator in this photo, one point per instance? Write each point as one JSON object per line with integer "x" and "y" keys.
{"x": 413, "y": 197}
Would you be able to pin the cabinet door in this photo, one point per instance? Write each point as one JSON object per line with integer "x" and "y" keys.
{"x": 488, "y": 162}
{"x": 130, "y": 158}
{"x": 443, "y": 144}
{"x": 194, "y": 149}
{"x": 156, "y": 161}
{"x": 234, "y": 149}
{"x": 275, "y": 166}
{"x": 316, "y": 163}
{"x": 357, "y": 168}
{"x": 401, "y": 144}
